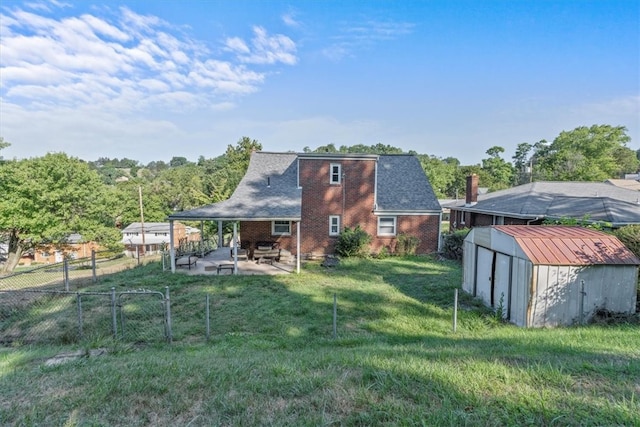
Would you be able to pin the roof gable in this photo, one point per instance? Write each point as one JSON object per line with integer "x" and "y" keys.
{"x": 268, "y": 190}
{"x": 402, "y": 185}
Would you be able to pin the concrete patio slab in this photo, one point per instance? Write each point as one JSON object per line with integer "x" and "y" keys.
{"x": 210, "y": 263}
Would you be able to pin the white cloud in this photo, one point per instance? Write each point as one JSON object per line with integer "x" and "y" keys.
{"x": 114, "y": 81}
{"x": 265, "y": 49}
{"x": 290, "y": 20}
{"x": 362, "y": 35}
{"x": 128, "y": 59}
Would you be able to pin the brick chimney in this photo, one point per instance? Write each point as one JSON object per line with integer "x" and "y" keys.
{"x": 471, "y": 197}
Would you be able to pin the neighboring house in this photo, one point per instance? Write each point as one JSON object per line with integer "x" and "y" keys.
{"x": 153, "y": 237}
{"x": 73, "y": 247}
{"x": 549, "y": 276}
{"x": 533, "y": 203}
{"x": 629, "y": 184}
{"x": 303, "y": 201}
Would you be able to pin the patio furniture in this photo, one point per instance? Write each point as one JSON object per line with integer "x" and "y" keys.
{"x": 187, "y": 261}
{"x": 225, "y": 266}
{"x": 266, "y": 251}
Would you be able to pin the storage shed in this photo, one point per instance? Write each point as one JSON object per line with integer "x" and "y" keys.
{"x": 549, "y": 275}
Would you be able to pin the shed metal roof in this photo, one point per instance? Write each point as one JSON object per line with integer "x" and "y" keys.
{"x": 565, "y": 245}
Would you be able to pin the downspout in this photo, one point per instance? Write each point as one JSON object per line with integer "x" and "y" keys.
{"x": 440, "y": 231}
{"x": 531, "y": 220}
{"x": 172, "y": 251}
{"x": 375, "y": 185}
{"x": 298, "y": 247}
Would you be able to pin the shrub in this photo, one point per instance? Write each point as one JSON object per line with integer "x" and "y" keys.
{"x": 407, "y": 245}
{"x": 353, "y": 242}
{"x": 630, "y": 236}
{"x": 453, "y": 243}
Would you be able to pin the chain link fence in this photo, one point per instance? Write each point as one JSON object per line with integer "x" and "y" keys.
{"x": 29, "y": 316}
{"x": 70, "y": 274}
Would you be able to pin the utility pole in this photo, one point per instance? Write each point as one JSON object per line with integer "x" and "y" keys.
{"x": 141, "y": 219}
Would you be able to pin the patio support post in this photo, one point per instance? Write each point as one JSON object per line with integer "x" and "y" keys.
{"x": 235, "y": 248}
{"x": 202, "y": 238}
{"x": 172, "y": 250}
{"x": 298, "y": 247}
{"x": 220, "y": 236}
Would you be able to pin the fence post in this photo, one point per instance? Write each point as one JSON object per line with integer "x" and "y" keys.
{"x": 207, "y": 319}
{"x": 582, "y": 294}
{"x": 335, "y": 315}
{"x": 93, "y": 265}
{"x": 455, "y": 311}
{"x": 79, "y": 300}
{"x": 65, "y": 273}
{"x": 168, "y": 305}
{"x": 114, "y": 318}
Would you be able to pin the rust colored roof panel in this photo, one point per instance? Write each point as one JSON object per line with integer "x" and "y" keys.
{"x": 563, "y": 245}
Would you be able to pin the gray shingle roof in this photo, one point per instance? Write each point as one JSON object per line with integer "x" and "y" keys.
{"x": 403, "y": 186}
{"x": 269, "y": 190}
{"x": 596, "y": 200}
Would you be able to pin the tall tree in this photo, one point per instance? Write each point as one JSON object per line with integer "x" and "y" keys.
{"x": 498, "y": 171}
{"x": 591, "y": 153}
{"x": 223, "y": 174}
{"x": 522, "y": 163}
{"x": 47, "y": 198}
{"x": 442, "y": 174}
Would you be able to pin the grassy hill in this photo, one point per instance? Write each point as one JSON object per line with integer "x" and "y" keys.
{"x": 272, "y": 358}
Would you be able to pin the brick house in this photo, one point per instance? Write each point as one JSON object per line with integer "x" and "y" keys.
{"x": 303, "y": 201}
{"x": 533, "y": 203}
{"x": 74, "y": 247}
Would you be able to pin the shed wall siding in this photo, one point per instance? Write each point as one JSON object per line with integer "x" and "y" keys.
{"x": 559, "y": 299}
{"x": 469, "y": 271}
{"x": 520, "y": 282}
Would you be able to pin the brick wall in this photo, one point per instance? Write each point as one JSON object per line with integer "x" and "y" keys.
{"x": 353, "y": 200}
{"x": 252, "y": 232}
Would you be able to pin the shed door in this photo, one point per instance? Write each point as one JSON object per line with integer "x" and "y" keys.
{"x": 484, "y": 275}
{"x": 493, "y": 277}
{"x": 501, "y": 281}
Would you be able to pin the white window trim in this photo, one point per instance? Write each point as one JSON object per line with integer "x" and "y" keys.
{"x": 331, "y": 218}
{"x": 395, "y": 223}
{"x": 331, "y": 166}
{"x": 273, "y": 229}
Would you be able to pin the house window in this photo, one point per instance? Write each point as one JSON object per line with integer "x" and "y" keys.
{"x": 281, "y": 228}
{"x": 334, "y": 225}
{"x": 335, "y": 173}
{"x": 387, "y": 226}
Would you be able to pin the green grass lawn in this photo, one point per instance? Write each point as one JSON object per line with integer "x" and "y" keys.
{"x": 272, "y": 359}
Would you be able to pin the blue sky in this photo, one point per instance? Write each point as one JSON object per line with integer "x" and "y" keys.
{"x": 150, "y": 80}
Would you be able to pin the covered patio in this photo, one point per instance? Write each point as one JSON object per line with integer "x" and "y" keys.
{"x": 210, "y": 263}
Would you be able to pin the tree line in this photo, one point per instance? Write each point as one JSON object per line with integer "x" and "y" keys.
{"x": 45, "y": 199}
